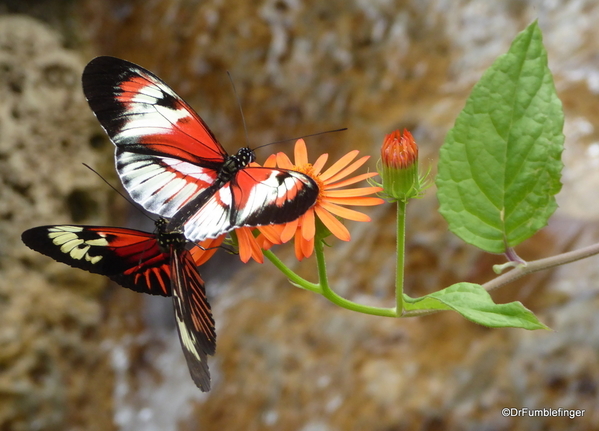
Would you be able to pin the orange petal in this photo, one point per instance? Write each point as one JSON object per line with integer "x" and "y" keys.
{"x": 289, "y": 230}
{"x": 300, "y": 153}
{"x": 257, "y": 254}
{"x": 344, "y": 212}
{"x": 307, "y": 247}
{"x": 271, "y": 161}
{"x": 308, "y": 225}
{"x": 361, "y": 201}
{"x": 319, "y": 163}
{"x": 332, "y": 224}
{"x": 248, "y": 246}
{"x": 338, "y": 165}
{"x": 271, "y": 233}
{"x": 360, "y": 191}
{"x": 352, "y": 180}
{"x": 263, "y": 242}
{"x": 345, "y": 172}
{"x": 245, "y": 248}
{"x": 297, "y": 246}
{"x": 283, "y": 161}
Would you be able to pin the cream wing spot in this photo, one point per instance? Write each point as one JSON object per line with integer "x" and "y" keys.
{"x": 67, "y": 237}
{"x": 93, "y": 259}
{"x": 68, "y": 247}
{"x": 79, "y": 252}
{"x": 62, "y": 234}
{"x": 101, "y": 242}
{"x": 60, "y": 238}
{"x": 66, "y": 229}
{"x": 188, "y": 339}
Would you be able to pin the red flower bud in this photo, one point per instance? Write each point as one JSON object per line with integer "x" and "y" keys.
{"x": 399, "y": 151}
{"x": 399, "y": 170}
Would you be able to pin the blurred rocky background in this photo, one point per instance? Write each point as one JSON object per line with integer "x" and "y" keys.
{"x": 77, "y": 353}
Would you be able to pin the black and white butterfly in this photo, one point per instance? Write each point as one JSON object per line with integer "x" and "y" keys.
{"x": 171, "y": 164}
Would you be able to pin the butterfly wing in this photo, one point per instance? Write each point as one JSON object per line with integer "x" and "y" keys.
{"x": 166, "y": 155}
{"x": 130, "y": 257}
{"x": 256, "y": 196}
{"x": 195, "y": 324}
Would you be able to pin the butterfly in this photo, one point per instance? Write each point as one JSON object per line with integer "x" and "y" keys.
{"x": 172, "y": 164}
{"x": 158, "y": 264}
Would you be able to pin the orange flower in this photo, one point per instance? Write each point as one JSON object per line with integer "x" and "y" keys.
{"x": 329, "y": 203}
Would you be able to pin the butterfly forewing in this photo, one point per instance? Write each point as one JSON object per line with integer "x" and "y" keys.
{"x": 165, "y": 152}
{"x": 130, "y": 257}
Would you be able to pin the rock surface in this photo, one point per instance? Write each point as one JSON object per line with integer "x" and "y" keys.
{"x": 54, "y": 369}
{"x": 286, "y": 359}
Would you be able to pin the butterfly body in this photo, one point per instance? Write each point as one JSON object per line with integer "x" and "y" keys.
{"x": 172, "y": 164}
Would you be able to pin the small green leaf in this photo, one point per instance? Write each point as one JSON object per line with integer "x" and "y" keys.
{"x": 474, "y": 303}
{"x": 500, "y": 165}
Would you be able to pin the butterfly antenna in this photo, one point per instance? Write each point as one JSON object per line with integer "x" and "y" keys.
{"x": 141, "y": 256}
{"x": 115, "y": 189}
{"x": 302, "y": 137}
{"x": 245, "y": 130}
{"x": 227, "y": 248}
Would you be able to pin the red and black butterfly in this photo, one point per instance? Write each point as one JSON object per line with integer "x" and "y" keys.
{"x": 158, "y": 264}
{"x": 171, "y": 164}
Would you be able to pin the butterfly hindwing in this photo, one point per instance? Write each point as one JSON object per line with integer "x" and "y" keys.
{"x": 195, "y": 324}
{"x": 256, "y": 197}
{"x": 130, "y": 257}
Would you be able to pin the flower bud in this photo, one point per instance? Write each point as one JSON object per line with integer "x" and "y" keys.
{"x": 399, "y": 166}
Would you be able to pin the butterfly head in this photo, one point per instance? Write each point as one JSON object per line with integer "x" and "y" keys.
{"x": 235, "y": 163}
{"x": 244, "y": 157}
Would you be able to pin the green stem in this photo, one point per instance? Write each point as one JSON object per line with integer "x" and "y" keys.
{"x": 328, "y": 293}
{"x": 292, "y": 276}
{"x": 401, "y": 252}
{"x": 323, "y": 286}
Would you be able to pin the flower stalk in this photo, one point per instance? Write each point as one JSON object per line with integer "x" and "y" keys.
{"x": 400, "y": 254}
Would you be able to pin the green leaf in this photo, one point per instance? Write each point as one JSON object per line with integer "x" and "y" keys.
{"x": 500, "y": 165}
{"x": 474, "y": 303}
